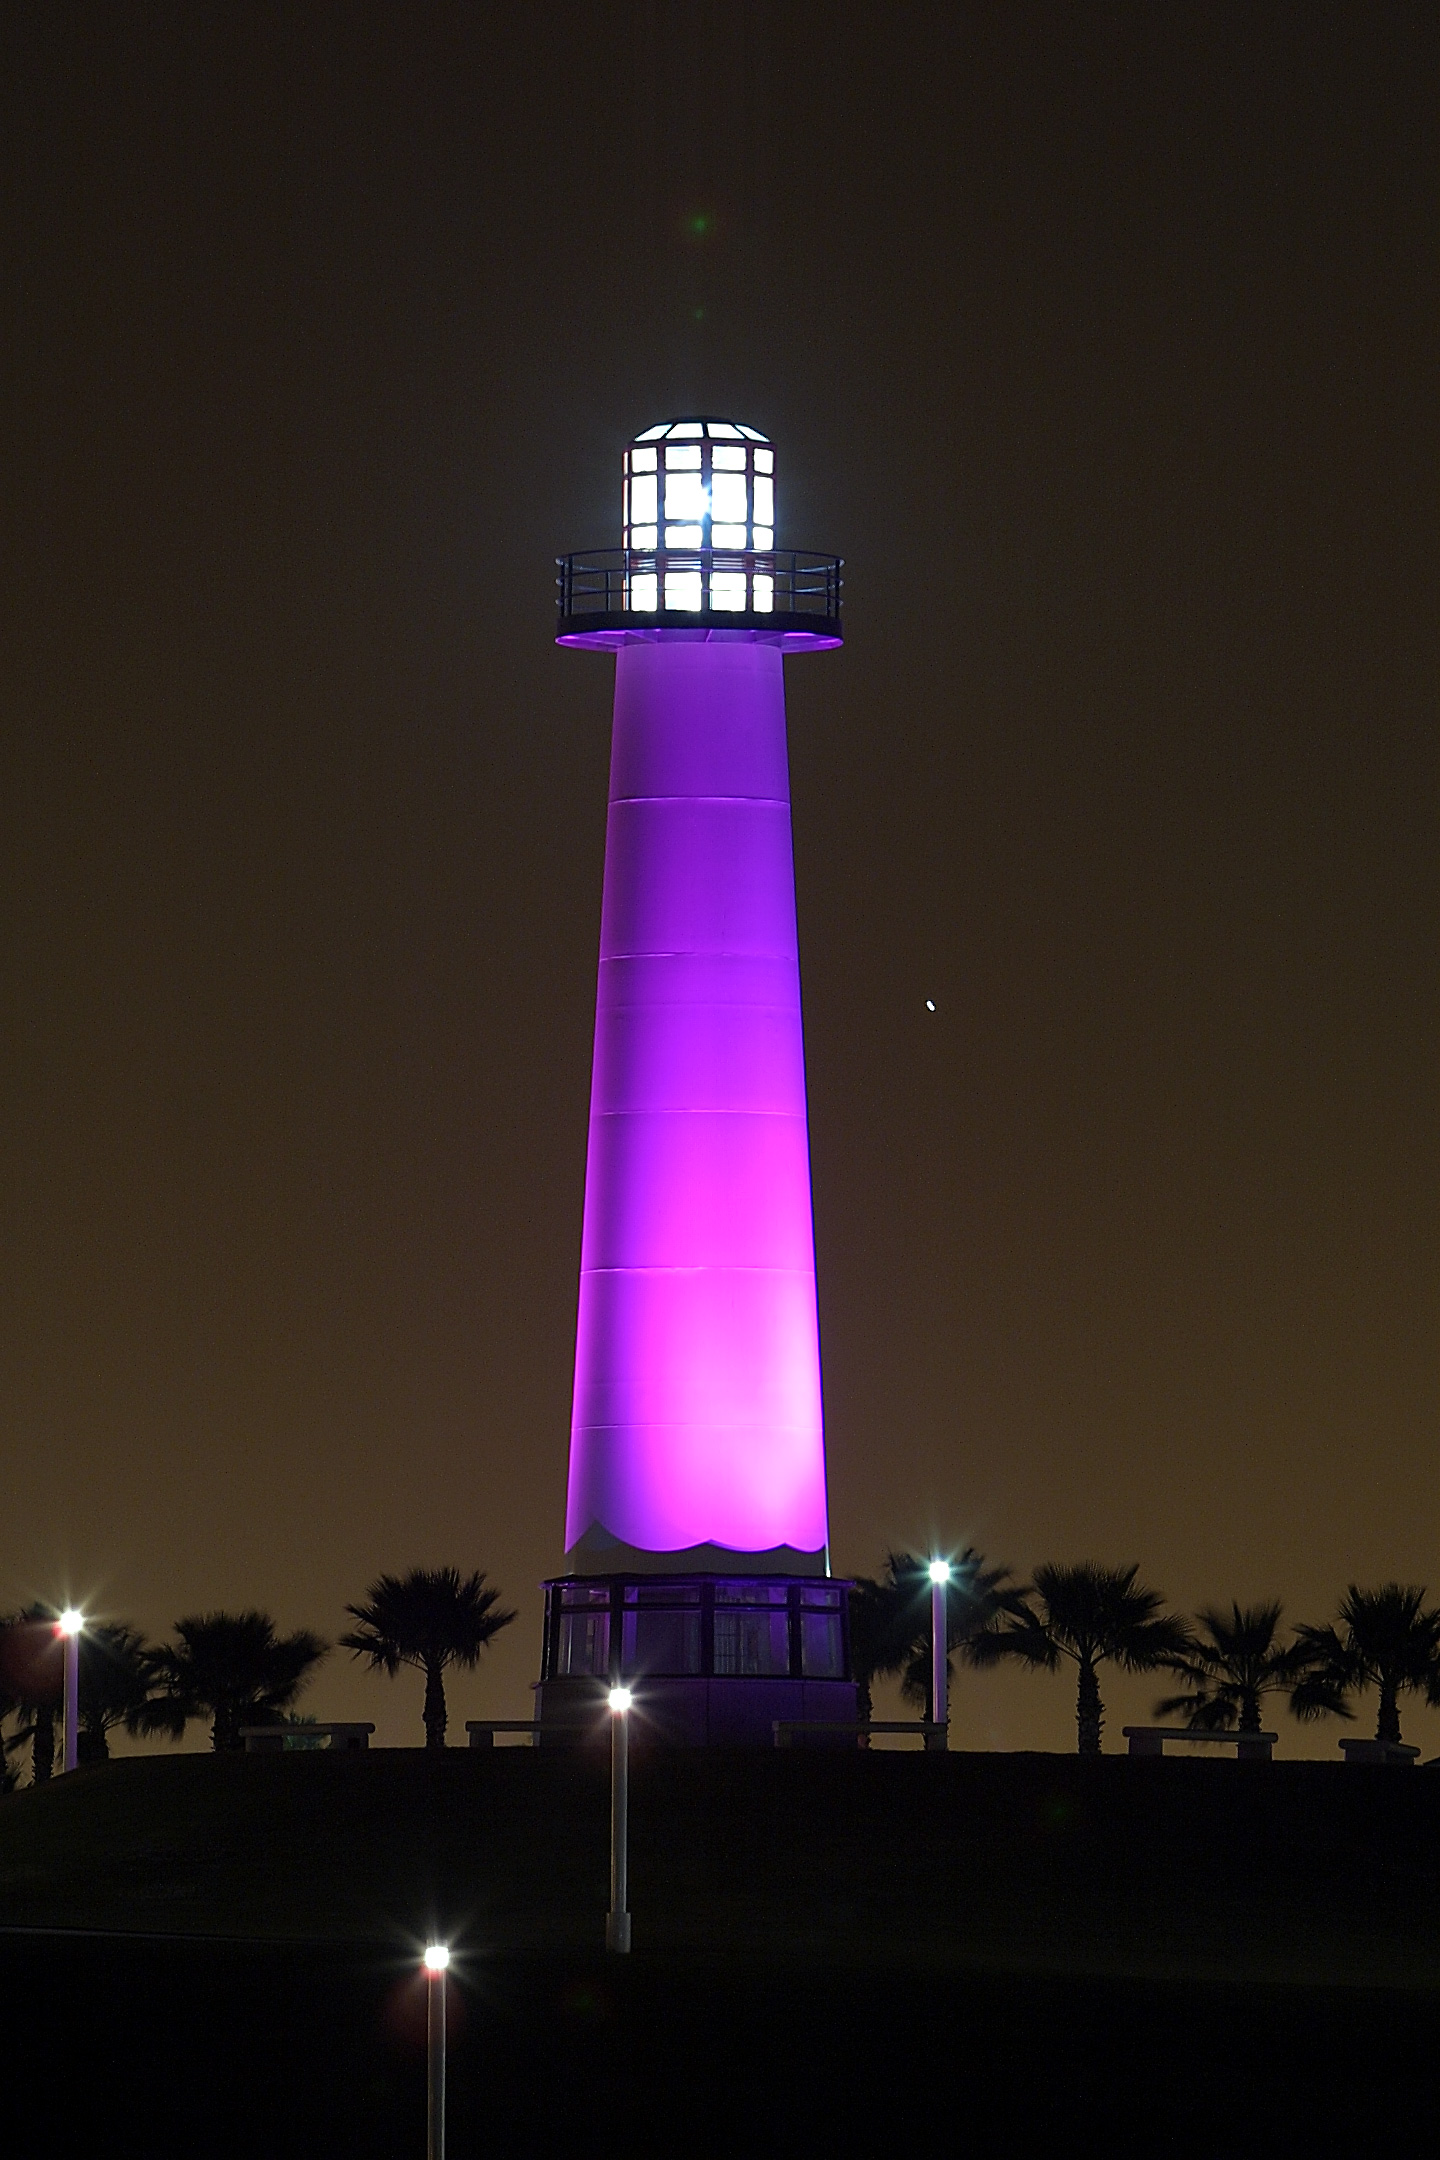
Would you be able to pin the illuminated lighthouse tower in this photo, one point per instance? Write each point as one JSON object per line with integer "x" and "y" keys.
{"x": 696, "y": 1540}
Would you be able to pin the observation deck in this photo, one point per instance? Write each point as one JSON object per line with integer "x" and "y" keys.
{"x": 609, "y": 597}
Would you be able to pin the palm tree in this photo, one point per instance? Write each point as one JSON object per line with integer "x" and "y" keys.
{"x": 230, "y": 1667}
{"x": 430, "y": 1618}
{"x": 1091, "y": 1615}
{"x": 1387, "y": 1639}
{"x": 116, "y": 1677}
{"x": 34, "y": 1686}
{"x": 1231, "y": 1666}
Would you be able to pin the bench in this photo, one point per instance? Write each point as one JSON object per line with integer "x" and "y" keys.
{"x": 1380, "y": 1751}
{"x": 1248, "y": 1746}
{"x": 344, "y": 1739}
{"x": 926, "y": 1729}
{"x": 482, "y": 1730}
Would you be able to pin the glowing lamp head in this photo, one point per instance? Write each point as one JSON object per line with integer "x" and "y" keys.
{"x": 437, "y": 1957}
{"x": 620, "y": 1700}
{"x": 939, "y": 1571}
{"x": 70, "y": 1622}
{"x": 693, "y": 485}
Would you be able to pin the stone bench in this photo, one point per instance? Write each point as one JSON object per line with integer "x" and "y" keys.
{"x": 1248, "y": 1746}
{"x": 931, "y": 1733}
{"x": 1379, "y": 1751}
{"x": 344, "y": 1739}
{"x": 482, "y": 1730}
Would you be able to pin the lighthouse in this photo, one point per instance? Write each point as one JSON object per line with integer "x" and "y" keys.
{"x": 696, "y": 1541}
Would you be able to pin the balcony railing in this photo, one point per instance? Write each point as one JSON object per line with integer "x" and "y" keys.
{"x": 785, "y": 589}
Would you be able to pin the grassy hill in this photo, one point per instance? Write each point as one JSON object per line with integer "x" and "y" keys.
{"x": 1302, "y": 1873}
{"x": 1187, "y": 1958}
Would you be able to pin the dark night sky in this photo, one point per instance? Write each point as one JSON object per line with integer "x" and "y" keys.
{"x": 1102, "y": 341}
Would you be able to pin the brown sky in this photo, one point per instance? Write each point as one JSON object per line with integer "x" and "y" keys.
{"x": 1102, "y": 343}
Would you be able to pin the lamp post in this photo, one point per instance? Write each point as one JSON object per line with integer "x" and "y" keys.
{"x": 437, "y": 1961}
{"x": 939, "y": 1649}
{"x": 617, "y": 1922}
{"x": 69, "y": 1627}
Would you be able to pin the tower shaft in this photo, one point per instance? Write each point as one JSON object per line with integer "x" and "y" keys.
{"x": 697, "y": 1433}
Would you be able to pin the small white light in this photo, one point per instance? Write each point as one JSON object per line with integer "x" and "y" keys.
{"x": 437, "y": 1957}
{"x": 939, "y": 1571}
{"x": 70, "y": 1621}
{"x": 929, "y": 1004}
{"x": 620, "y": 1700}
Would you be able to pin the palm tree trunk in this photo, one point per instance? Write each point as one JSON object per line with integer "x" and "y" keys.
{"x": 435, "y": 1719}
{"x": 1388, "y": 1724}
{"x": 1250, "y": 1711}
{"x": 42, "y": 1747}
{"x": 864, "y": 1707}
{"x": 1089, "y": 1710}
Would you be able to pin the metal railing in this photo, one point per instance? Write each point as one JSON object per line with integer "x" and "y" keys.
{"x": 620, "y": 585}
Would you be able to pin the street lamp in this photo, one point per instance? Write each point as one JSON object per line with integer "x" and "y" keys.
{"x": 69, "y": 1627}
{"x": 437, "y": 1963}
{"x": 617, "y": 1922}
{"x": 939, "y": 1649}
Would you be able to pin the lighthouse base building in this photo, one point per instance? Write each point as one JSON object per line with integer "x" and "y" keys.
{"x": 697, "y": 1565}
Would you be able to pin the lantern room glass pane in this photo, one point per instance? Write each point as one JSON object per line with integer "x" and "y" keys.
{"x": 765, "y": 461}
{"x": 643, "y": 499}
{"x": 725, "y": 458}
{"x": 682, "y": 589}
{"x": 682, "y": 457}
{"x": 764, "y": 595}
{"x": 684, "y": 496}
{"x": 723, "y": 427}
{"x": 644, "y": 537}
{"x": 643, "y": 460}
{"x": 727, "y": 536}
{"x": 727, "y": 590}
{"x": 645, "y": 592}
{"x": 687, "y": 427}
{"x": 649, "y": 434}
{"x": 727, "y": 497}
{"x": 752, "y": 434}
{"x": 764, "y": 537}
{"x": 764, "y": 500}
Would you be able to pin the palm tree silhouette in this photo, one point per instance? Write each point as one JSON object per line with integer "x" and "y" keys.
{"x": 230, "y": 1667}
{"x": 1232, "y": 1666}
{"x": 1387, "y": 1639}
{"x": 1090, "y": 1615}
{"x": 35, "y": 1682}
{"x": 116, "y": 1677}
{"x": 430, "y": 1618}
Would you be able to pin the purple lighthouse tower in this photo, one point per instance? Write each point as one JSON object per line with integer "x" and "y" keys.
{"x": 696, "y": 1538}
